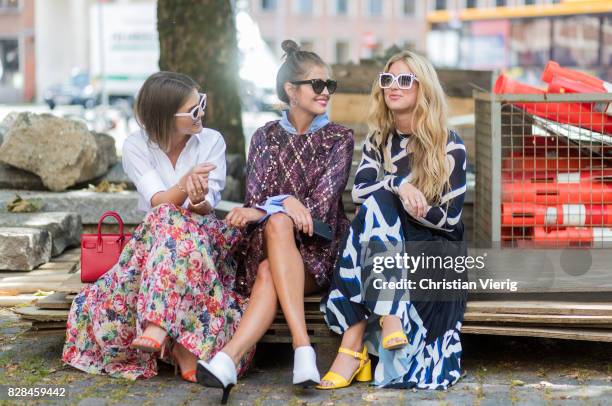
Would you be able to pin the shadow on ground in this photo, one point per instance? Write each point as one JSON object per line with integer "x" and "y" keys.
{"x": 497, "y": 371}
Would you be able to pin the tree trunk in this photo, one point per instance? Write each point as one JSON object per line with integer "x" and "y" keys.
{"x": 198, "y": 38}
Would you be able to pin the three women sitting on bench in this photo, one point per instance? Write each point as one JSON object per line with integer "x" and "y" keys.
{"x": 181, "y": 284}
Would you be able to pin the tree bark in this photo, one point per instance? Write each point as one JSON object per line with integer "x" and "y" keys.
{"x": 198, "y": 38}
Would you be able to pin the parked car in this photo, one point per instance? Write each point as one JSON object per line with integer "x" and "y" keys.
{"x": 77, "y": 90}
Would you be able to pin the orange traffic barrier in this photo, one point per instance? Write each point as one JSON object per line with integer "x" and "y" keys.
{"x": 528, "y": 214}
{"x": 532, "y": 164}
{"x": 577, "y": 235}
{"x": 563, "y": 85}
{"x": 576, "y": 114}
{"x": 589, "y": 175}
{"x": 557, "y": 193}
{"x": 553, "y": 69}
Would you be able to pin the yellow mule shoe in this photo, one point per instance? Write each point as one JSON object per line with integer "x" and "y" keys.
{"x": 362, "y": 374}
{"x": 403, "y": 340}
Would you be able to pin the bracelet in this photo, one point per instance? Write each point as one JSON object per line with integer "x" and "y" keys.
{"x": 197, "y": 205}
{"x": 178, "y": 185}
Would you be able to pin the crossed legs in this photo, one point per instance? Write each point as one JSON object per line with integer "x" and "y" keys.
{"x": 280, "y": 278}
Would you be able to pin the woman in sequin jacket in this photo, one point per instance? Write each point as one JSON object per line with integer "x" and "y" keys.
{"x": 297, "y": 169}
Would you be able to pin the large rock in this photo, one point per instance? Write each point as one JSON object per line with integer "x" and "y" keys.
{"x": 62, "y": 152}
{"x": 65, "y": 228}
{"x": 23, "y": 249}
{"x": 6, "y": 124}
{"x": 15, "y": 178}
{"x": 116, "y": 175}
{"x": 89, "y": 205}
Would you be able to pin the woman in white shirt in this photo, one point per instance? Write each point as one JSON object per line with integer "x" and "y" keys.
{"x": 173, "y": 286}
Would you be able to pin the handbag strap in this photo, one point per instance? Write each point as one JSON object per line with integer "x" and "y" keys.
{"x": 117, "y": 217}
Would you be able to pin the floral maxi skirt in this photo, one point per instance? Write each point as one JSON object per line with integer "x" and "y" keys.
{"x": 177, "y": 272}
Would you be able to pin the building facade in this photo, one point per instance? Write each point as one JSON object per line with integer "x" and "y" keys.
{"x": 471, "y": 34}
{"x": 342, "y": 30}
{"x": 499, "y": 34}
{"x": 17, "y": 54}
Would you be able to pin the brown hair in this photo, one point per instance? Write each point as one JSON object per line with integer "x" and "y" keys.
{"x": 296, "y": 66}
{"x": 159, "y": 98}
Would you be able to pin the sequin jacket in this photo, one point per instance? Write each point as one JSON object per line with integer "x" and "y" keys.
{"x": 314, "y": 168}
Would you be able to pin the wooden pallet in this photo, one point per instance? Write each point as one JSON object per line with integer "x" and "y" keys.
{"x": 56, "y": 301}
{"x": 552, "y": 319}
{"x": 564, "y": 319}
{"x": 51, "y": 276}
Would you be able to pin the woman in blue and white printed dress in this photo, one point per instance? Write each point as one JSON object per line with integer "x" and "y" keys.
{"x": 418, "y": 198}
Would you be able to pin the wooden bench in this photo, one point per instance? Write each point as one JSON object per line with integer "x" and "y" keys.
{"x": 590, "y": 321}
{"x": 534, "y": 318}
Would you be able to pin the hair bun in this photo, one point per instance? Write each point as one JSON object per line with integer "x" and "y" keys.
{"x": 290, "y": 47}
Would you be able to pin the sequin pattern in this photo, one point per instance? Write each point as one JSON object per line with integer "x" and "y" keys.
{"x": 312, "y": 167}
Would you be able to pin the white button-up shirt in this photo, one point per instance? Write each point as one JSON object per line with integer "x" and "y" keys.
{"x": 151, "y": 170}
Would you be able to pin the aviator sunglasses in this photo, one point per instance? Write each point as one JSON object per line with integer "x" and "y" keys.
{"x": 319, "y": 84}
{"x": 404, "y": 80}
{"x": 194, "y": 113}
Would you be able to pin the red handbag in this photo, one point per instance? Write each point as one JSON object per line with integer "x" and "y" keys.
{"x": 100, "y": 252}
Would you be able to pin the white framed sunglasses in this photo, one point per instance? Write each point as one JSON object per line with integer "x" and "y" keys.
{"x": 194, "y": 113}
{"x": 404, "y": 80}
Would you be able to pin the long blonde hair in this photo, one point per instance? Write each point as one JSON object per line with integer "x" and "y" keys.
{"x": 430, "y": 173}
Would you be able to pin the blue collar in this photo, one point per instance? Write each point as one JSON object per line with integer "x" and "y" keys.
{"x": 319, "y": 122}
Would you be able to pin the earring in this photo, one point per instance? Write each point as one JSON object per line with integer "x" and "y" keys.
{"x": 293, "y": 103}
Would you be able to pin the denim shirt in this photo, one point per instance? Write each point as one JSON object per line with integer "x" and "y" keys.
{"x": 274, "y": 204}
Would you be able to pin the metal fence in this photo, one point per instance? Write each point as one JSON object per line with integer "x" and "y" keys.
{"x": 543, "y": 170}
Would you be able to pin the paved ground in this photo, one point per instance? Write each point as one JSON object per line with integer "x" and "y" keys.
{"x": 498, "y": 371}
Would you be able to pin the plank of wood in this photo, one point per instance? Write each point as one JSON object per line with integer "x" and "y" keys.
{"x": 17, "y": 300}
{"x": 67, "y": 258}
{"x": 287, "y": 339}
{"x": 541, "y": 307}
{"x": 72, "y": 254}
{"x": 72, "y": 285}
{"x": 54, "y": 268}
{"x": 312, "y": 298}
{"x": 34, "y": 313}
{"x": 14, "y": 288}
{"x": 312, "y": 329}
{"x": 59, "y": 271}
{"x": 316, "y": 318}
{"x": 536, "y": 318}
{"x": 57, "y": 300}
{"x": 560, "y": 333}
{"x": 68, "y": 266}
{"x": 36, "y": 278}
{"x": 48, "y": 325}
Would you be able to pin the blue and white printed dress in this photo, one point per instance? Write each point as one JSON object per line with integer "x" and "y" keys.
{"x": 431, "y": 360}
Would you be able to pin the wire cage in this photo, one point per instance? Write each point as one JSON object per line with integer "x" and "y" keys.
{"x": 543, "y": 170}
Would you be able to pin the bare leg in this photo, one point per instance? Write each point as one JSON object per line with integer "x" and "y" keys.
{"x": 344, "y": 364}
{"x": 392, "y": 324}
{"x": 258, "y": 316}
{"x": 152, "y": 331}
{"x": 288, "y": 274}
{"x": 186, "y": 359}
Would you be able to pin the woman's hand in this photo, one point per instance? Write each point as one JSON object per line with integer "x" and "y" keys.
{"x": 414, "y": 200}
{"x": 197, "y": 188}
{"x": 195, "y": 182}
{"x": 203, "y": 208}
{"x": 241, "y": 216}
{"x": 299, "y": 214}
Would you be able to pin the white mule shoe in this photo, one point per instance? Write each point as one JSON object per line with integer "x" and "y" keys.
{"x": 220, "y": 372}
{"x": 305, "y": 372}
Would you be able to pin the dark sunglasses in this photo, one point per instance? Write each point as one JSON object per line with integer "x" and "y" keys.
{"x": 319, "y": 84}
